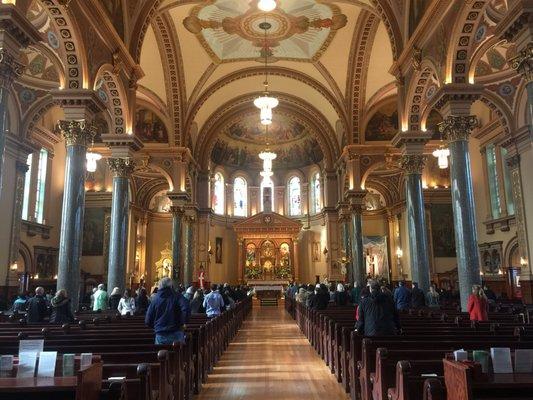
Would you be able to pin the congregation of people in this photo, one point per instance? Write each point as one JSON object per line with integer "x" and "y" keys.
{"x": 167, "y": 309}
{"x": 377, "y": 307}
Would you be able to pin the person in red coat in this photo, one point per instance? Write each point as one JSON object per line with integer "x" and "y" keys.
{"x": 478, "y": 305}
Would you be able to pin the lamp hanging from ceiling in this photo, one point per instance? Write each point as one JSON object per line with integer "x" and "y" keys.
{"x": 266, "y": 103}
{"x": 442, "y": 154}
{"x": 266, "y": 5}
{"x": 92, "y": 159}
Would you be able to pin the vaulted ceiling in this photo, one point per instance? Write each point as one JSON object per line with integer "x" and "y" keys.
{"x": 203, "y": 63}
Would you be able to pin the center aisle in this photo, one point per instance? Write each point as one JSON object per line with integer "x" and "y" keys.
{"x": 271, "y": 359}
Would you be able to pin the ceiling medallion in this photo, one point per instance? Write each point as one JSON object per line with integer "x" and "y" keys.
{"x": 300, "y": 30}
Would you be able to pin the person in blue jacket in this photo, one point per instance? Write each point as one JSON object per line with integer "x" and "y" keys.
{"x": 167, "y": 314}
{"x": 402, "y": 297}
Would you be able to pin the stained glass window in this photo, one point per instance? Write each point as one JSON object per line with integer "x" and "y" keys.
{"x": 240, "y": 197}
{"x": 316, "y": 193}
{"x": 41, "y": 186}
{"x": 295, "y": 200}
{"x": 27, "y": 185}
{"x": 218, "y": 194}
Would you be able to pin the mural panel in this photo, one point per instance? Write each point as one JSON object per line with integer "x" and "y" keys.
{"x": 442, "y": 229}
{"x": 383, "y": 125}
{"x": 149, "y": 127}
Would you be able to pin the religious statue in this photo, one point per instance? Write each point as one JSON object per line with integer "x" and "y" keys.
{"x": 164, "y": 265}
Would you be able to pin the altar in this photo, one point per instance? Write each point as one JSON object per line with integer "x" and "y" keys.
{"x": 268, "y": 249}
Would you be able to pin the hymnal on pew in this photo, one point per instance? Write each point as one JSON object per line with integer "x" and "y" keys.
{"x": 68, "y": 364}
{"x": 26, "y": 366}
{"x": 6, "y": 366}
{"x": 481, "y": 357}
{"x": 47, "y": 364}
{"x": 501, "y": 360}
{"x": 523, "y": 360}
{"x": 460, "y": 355}
{"x": 86, "y": 359}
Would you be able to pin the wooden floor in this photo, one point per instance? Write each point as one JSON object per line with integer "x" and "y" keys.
{"x": 271, "y": 359}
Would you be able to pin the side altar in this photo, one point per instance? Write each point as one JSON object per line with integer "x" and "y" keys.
{"x": 268, "y": 249}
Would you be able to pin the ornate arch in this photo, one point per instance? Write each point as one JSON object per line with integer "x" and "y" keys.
{"x": 298, "y": 107}
{"x": 117, "y": 103}
{"x": 358, "y": 69}
{"x": 386, "y": 14}
{"x": 460, "y": 52}
{"x": 257, "y": 71}
{"x": 422, "y": 88}
{"x": 70, "y": 43}
{"x": 168, "y": 42}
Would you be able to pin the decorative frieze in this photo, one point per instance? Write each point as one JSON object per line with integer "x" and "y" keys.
{"x": 413, "y": 163}
{"x": 457, "y": 127}
{"x": 77, "y": 132}
{"x": 121, "y": 167}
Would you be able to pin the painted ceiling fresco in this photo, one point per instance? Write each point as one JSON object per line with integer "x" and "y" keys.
{"x": 240, "y": 142}
{"x": 300, "y": 30}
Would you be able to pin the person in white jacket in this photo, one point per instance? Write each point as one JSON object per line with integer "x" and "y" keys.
{"x": 126, "y": 305}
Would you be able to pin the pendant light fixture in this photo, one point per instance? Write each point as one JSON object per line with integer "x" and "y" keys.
{"x": 442, "y": 154}
{"x": 92, "y": 159}
{"x": 266, "y": 5}
{"x": 266, "y": 103}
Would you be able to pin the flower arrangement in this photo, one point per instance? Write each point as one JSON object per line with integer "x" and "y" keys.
{"x": 252, "y": 271}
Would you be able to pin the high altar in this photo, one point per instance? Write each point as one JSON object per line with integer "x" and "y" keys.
{"x": 268, "y": 249}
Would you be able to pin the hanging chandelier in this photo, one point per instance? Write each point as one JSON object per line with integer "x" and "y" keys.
{"x": 266, "y": 103}
{"x": 266, "y": 5}
{"x": 267, "y": 156}
{"x": 442, "y": 154}
{"x": 92, "y": 158}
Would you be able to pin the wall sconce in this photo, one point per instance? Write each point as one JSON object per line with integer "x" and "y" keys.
{"x": 326, "y": 253}
{"x": 481, "y": 273}
{"x": 55, "y": 277}
{"x": 14, "y": 266}
{"x": 399, "y": 252}
{"x": 523, "y": 262}
{"x": 500, "y": 272}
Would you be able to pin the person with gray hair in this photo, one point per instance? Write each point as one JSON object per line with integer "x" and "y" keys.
{"x": 167, "y": 314}
{"x": 36, "y": 309}
{"x": 100, "y": 298}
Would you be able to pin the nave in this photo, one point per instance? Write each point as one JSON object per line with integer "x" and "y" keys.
{"x": 271, "y": 359}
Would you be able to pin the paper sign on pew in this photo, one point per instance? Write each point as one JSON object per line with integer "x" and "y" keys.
{"x": 31, "y": 346}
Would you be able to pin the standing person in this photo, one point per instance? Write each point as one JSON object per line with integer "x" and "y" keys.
{"x": 418, "y": 298}
{"x": 126, "y": 304}
{"x": 154, "y": 293}
{"x": 213, "y": 302}
{"x": 189, "y": 294}
{"x": 377, "y": 315}
{"x": 19, "y": 304}
{"x": 36, "y": 309}
{"x": 142, "y": 302}
{"x": 92, "y": 297}
{"x": 61, "y": 312}
{"x": 100, "y": 298}
{"x": 341, "y": 298}
{"x": 114, "y": 299}
{"x": 167, "y": 314}
{"x": 197, "y": 303}
{"x": 432, "y": 298}
{"x": 478, "y": 305}
{"x": 402, "y": 297}
{"x": 355, "y": 293}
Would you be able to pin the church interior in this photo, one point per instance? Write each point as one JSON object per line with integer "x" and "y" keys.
{"x": 266, "y": 142}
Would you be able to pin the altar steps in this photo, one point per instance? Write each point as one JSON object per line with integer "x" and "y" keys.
{"x": 269, "y": 302}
